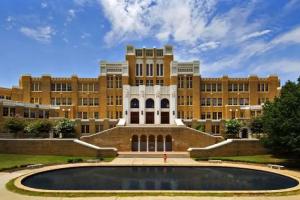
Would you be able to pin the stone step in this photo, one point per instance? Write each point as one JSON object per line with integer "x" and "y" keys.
{"x": 152, "y": 154}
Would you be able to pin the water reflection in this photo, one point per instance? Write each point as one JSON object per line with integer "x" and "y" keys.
{"x": 158, "y": 178}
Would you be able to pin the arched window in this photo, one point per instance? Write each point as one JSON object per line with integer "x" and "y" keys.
{"x": 164, "y": 103}
{"x": 134, "y": 103}
{"x": 149, "y": 103}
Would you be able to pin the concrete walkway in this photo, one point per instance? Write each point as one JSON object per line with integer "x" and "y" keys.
{"x": 7, "y": 195}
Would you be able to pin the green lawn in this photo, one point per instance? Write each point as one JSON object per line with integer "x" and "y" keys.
{"x": 16, "y": 160}
{"x": 261, "y": 159}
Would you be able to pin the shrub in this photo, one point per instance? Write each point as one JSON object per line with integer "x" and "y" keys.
{"x": 39, "y": 128}
{"x": 232, "y": 127}
{"x": 65, "y": 128}
{"x": 14, "y": 125}
{"x": 200, "y": 127}
{"x": 75, "y": 160}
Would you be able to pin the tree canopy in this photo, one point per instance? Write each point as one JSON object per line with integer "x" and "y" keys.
{"x": 281, "y": 120}
{"x": 233, "y": 127}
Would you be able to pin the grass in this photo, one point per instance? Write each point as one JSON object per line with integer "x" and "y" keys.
{"x": 11, "y": 187}
{"x": 10, "y": 161}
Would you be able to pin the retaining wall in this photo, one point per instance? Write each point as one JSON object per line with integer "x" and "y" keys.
{"x": 61, "y": 147}
{"x": 231, "y": 147}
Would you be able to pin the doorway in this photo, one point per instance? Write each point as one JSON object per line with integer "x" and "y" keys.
{"x": 149, "y": 117}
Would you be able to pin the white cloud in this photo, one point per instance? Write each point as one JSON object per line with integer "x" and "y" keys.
{"x": 205, "y": 47}
{"x": 83, "y": 2}
{"x": 10, "y": 22}
{"x": 44, "y": 5}
{"x": 292, "y": 36}
{"x": 283, "y": 66}
{"x": 85, "y": 35}
{"x": 71, "y": 15}
{"x": 41, "y": 34}
{"x": 255, "y": 34}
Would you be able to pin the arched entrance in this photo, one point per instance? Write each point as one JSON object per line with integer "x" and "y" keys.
{"x": 168, "y": 143}
{"x": 135, "y": 143}
{"x": 164, "y": 116}
{"x": 134, "y": 116}
{"x": 151, "y": 143}
{"x": 160, "y": 143}
{"x": 149, "y": 115}
{"x": 143, "y": 143}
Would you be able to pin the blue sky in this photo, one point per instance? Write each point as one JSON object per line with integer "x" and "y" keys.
{"x": 229, "y": 37}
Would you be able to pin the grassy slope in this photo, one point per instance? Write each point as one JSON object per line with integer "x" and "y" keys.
{"x": 263, "y": 159}
{"x": 11, "y": 160}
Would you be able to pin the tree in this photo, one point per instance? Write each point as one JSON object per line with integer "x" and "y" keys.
{"x": 65, "y": 128}
{"x": 200, "y": 127}
{"x": 39, "y": 128}
{"x": 256, "y": 126}
{"x": 281, "y": 120}
{"x": 14, "y": 125}
{"x": 232, "y": 128}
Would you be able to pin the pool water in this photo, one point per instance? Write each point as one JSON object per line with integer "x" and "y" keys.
{"x": 158, "y": 178}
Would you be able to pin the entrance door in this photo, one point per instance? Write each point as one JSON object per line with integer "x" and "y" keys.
{"x": 149, "y": 117}
{"x": 164, "y": 118}
{"x": 134, "y": 118}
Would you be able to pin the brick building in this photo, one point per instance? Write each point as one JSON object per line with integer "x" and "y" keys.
{"x": 149, "y": 87}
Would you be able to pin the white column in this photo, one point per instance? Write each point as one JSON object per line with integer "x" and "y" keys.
{"x": 155, "y": 139}
{"x": 157, "y": 104}
{"x": 139, "y": 143}
{"x": 126, "y": 103}
{"x": 142, "y": 103}
{"x": 147, "y": 143}
{"x": 173, "y": 103}
{"x": 164, "y": 143}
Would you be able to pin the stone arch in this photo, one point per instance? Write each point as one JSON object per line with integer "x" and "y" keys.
{"x": 134, "y": 103}
{"x": 168, "y": 143}
{"x": 164, "y": 103}
{"x": 134, "y": 143}
{"x": 143, "y": 143}
{"x": 149, "y": 103}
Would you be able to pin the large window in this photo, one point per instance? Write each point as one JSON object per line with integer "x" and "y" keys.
{"x": 164, "y": 103}
{"x": 149, "y": 103}
{"x": 134, "y": 103}
{"x": 159, "y": 69}
{"x": 180, "y": 82}
{"x": 189, "y": 82}
{"x": 149, "y": 69}
{"x": 109, "y": 82}
{"x": 139, "y": 69}
{"x": 118, "y": 81}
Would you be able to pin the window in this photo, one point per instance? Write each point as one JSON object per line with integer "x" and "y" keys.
{"x": 118, "y": 100}
{"x": 149, "y": 82}
{"x": 118, "y": 81}
{"x": 118, "y": 114}
{"x": 208, "y": 101}
{"x": 134, "y": 103}
{"x": 96, "y": 101}
{"x": 219, "y": 101}
{"x": 159, "y": 69}
{"x": 139, "y": 69}
{"x": 214, "y": 102}
{"x": 109, "y": 80}
{"x": 208, "y": 87}
{"x": 96, "y": 115}
{"x": 180, "y": 82}
{"x": 35, "y": 86}
{"x": 219, "y": 115}
{"x": 215, "y": 129}
{"x": 85, "y": 129}
{"x": 202, "y": 102}
{"x": 230, "y": 87}
{"x": 160, "y": 82}
{"x": 159, "y": 52}
{"x": 5, "y": 111}
{"x": 109, "y": 101}
{"x": 149, "y": 52}
{"x": 219, "y": 87}
{"x": 180, "y": 100}
{"x": 164, "y": 103}
{"x": 263, "y": 87}
{"x": 26, "y": 112}
{"x": 149, "y": 103}
{"x": 208, "y": 115}
{"x": 235, "y": 87}
{"x": 215, "y": 115}
{"x": 189, "y": 83}
{"x": 213, "y": 87}
{"x": 139, "y": 52}
{"x": 202, "y": 86}
{"x": 149, "y": 69}
{"x": 246, "y": 87}
{"x": 203, "y": 115}
{"x": 189, "y": 100}
{"x": 139, "y": 82}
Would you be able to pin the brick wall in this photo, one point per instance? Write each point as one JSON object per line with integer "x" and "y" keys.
{"x": 238, "y": 147}
{"x": 183, "y": 137}
{"x": 61, "y": 147}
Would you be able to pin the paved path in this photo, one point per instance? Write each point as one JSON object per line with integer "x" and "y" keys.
{"x": 7, "y": 195}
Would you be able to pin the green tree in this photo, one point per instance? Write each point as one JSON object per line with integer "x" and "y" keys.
{"x": 200, "y": 127}
{"x": 281, "y": 120}
{"x": 14, "y": 125}
{"x": 256, "y": 126}
{"x": 39, "y": 128}
{"x": 65, "y": 128}
{"x": 232, "y": 128}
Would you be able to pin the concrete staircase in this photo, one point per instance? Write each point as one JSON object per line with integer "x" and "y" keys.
{"x": 153, "y": 154}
